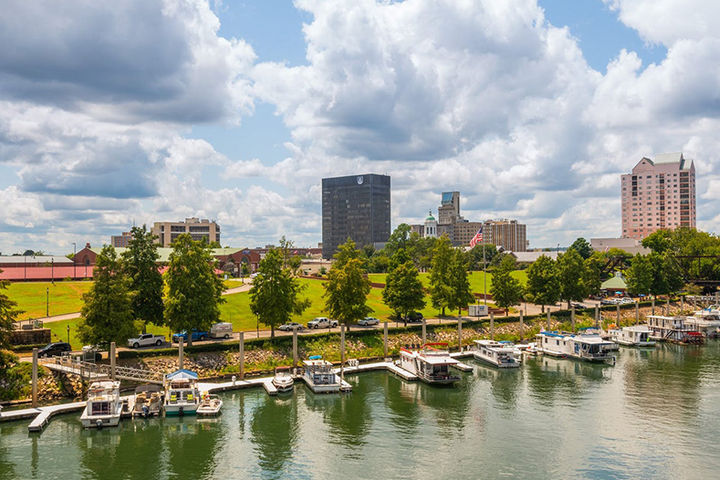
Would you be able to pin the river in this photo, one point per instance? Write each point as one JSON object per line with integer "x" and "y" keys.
{"x": 655, "y": 414}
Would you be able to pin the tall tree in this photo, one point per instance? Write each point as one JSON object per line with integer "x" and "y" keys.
{"x": 347, "y": 287}
{"x": 543, "y": 284}
{"x": 8, "y": 315}
{"x": 107, "y": 313}
{"x": 582, "y": 247}
{"x": 194, "y": 291}
{"x": 440, "y": 288}
{"x": 570, "y": 272}
{"x": 506, "y": 289}
{"x": 403, "y": 291}
{"x": 591, "y": 274}
{"x": 275, "y": 294}
{"x": 139, "y": 263}
{"x": 461, "y": 295}
{"x": 639, "y": 276}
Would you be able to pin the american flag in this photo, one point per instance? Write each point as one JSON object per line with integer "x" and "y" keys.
{"x": 477, "y": 238}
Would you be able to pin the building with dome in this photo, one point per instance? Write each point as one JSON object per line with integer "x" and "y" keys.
{"x": 430, "y": 226}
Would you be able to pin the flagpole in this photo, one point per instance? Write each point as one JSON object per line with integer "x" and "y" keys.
{"x": 484, "y": 270}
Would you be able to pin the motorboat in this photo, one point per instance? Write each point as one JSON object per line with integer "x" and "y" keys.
{"x": 103, "y": 407}
{"x": 283, "y": 380}
{"x": 633, "y": 336}
{"x": 591, "y": 348}
{"x": 319, "y": 375}
{"x": 431, "y": 363}
{"x": 495, "y": 353}
{"x": 210, "y": 405}
{"x": 182, "y": 396}
{"x": 148, "y": 401}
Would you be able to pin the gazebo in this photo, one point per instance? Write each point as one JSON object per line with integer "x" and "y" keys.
{"x": 614, "y": 284}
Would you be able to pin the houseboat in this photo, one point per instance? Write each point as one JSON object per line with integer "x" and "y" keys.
{"x": 706, "y": 321}
{"x": 319, "y": 375}
{"x": 283, "y": 380}
{"x": 495, "y": 353}
{"x": 182, "y": 396}
{"x": 103, "y": 406}
{"x": 633, "y": 336}
{"x": 673, "y": 329}
{"x": 148, "y": 401}
{"x": 431, "y": 363}
{"x": 210, "y": 405}
{"x": 591, "y": 348}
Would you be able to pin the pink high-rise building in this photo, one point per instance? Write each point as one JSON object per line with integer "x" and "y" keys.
{"x": 658, "y": 194}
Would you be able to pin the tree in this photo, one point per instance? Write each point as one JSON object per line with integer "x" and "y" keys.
{"x": 570, "y": 273}
{"x": 666, "y": 276}
{"x": 582, "y": 247}
{"x": 476, "y": 255}
{"x": 543, "y": 285}
{"x": 398, "y": 239}
{"x": 591, "y": 274}
{"x": 403, "y": 291}
{"x": 8, "y": 315}
{"x": 275, "y": 294}
{"x": 658, "y": 241}
{"x": 347, "y": 287}
{"x": 639, "y": 276}
{"x": 440, "y": 289}
{"x": 139, "y": 263}
{"x": 505, "y": 289}
{"x": 107, "y": 312}
{"x": 244, "y": 269}
{"x": 194, "y": 291}
{"x": 460, "y": 293}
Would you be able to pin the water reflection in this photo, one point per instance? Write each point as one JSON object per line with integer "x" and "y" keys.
{"x": 274, "y": 429}
{"x": 190, "y": 446}
{"x": 350, "y": 416}
{"x": 504, "y": 384}
{"x": 569, "y": 381}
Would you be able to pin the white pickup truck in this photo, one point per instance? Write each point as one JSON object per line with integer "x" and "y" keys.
{"x": 322, "y": 322}
{"x": 146, "y": 339}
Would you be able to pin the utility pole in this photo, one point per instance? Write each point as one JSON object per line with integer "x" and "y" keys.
{"x": 74, "y": 264}
{"x": 47, "y": 301}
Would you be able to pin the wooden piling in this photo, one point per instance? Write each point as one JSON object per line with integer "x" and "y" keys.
{"x": 617, "y": 321}
{"x": 459, "y": 335}
{"x": 295, "y": 347}
{"x": 34, "y": 377}
{"x": 385, "y": 338}
{"x": 653, "y": 305}
{"x": 637, "y": 312}
{"x": 492, "y": 326}
{"x": 522, "y": 326}
{"x": 424, "y": 336}
{"x": 597, "y": 316}
{"x": 342, "y": 344}
{"x": 572, "y": 317}
{"x": 113, "y": 361}
{"x": 181, "y": 353}
{"x": 241, "y": 354}
{"x": 548, "y": 318}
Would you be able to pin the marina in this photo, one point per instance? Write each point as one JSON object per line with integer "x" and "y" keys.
{"x": 368, "y": 431}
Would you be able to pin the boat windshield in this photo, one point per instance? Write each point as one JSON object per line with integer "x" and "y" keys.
{"x": 100, "y": 408}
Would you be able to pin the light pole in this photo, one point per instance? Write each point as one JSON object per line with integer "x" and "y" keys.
{"x": 47, "y": 301}
{"x": 68, "y": 332}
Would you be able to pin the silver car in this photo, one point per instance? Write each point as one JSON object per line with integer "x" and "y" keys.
{"x": 368, "y": 321}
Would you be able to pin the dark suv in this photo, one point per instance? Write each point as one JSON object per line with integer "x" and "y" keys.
{"x": 415, "y": 317}
{"x": 57, "y": 348}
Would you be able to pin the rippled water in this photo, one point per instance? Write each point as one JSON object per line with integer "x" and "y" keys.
{"x": 656, "y": 414}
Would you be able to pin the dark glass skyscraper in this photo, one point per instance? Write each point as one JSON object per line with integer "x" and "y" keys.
{"x": 357, "y": 206}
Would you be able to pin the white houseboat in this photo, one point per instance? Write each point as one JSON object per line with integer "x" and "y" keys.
{"x": 148, "y": 401}
{"x": 633, "y": 336}
{"x": 495, "y": 353}
{"x": 706, "y": 321}
{"x": 673, "y": 329}
{"x": 431, "y": 363}
{"x": 103, "y": 406}
{"x": 182, "y": 396}
{"x": 591, "y": 348}
{"x": 319, "y": 375}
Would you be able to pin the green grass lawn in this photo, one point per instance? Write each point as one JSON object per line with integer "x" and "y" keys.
{"x": 476, "y": 279}
{"x": 64, "y": 297}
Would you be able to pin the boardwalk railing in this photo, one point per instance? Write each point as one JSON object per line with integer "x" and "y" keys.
{"x": 75, "y": 366}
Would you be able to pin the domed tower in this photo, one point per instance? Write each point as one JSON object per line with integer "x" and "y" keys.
{"x": 430, "y": 226}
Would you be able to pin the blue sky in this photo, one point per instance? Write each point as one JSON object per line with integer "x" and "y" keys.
{"x": 235, "y": 110}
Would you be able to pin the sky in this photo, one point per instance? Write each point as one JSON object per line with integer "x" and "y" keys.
{"x": 135, "y": 111}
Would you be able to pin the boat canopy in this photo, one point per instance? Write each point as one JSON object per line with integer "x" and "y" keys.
{"x": 182, "y": 374}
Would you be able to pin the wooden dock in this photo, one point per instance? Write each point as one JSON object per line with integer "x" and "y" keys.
{"x": 45, "y": 413}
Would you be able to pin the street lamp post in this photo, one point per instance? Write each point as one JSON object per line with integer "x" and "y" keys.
{"x": 68, "y": 333}
{"x": 47, "y": 302}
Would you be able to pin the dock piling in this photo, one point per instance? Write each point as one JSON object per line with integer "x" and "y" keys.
{"x": 492, "y": 326}
{"x": 682, "y": 302}
{"x": 385, "y": 338}
{"x": 112, "y": 361}
{"x": 241, "y": 349}
{"x": 618, "y": 315}
{"x": 637, "y": 312}
{"x": 653, "y": 305}
{"x": 295, "y": 348}
{"x": 459, "y": 335}
{"x": 597, "y": 316}
{"x": 424, "y": 335}
{"x": 34, "y": 376}
{"x": 572, "y": 317}
{"x": 522, "y": 326}
{"x": 181, "y": 353}
{"x": 548, "y": 318}
{"x": 342, "y": 344}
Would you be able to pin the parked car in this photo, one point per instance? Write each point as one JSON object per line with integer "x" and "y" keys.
{"x": 287, "y": 327}
{"x": 146, "y": 339}
{"x": 55, "y": 348}
{"x": 368, "y": 321}
{"x": 91, "y": 353}
{"x": 221, "y": 330}
{"x": 608, "y": 301}
{"x": 578, "y": 306}
{"x": 322, "y": 322}
{"x": 415, "y": 317}
{"x": 195, "y": 335}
